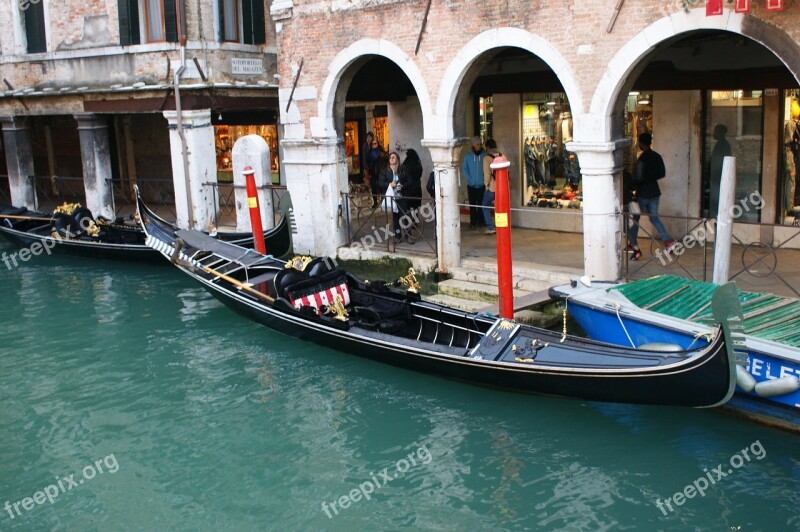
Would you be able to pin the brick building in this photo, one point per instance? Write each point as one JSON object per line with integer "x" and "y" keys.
{"x": 91, "y": 92}
{"x": 442, "y": 71}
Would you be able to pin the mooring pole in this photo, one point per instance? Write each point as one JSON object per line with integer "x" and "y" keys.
{"x": 502, "y": 202}
{"x": 255, "y": 211}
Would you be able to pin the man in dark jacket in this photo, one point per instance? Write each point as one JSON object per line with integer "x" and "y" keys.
{"x": 649, "y": 169}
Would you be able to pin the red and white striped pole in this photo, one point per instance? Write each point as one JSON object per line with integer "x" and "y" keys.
{"x": 255, "y": 211}
{"x": 502, "y": 206}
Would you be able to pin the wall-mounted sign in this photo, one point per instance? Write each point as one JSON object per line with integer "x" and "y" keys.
{"x": 241, "y": 66}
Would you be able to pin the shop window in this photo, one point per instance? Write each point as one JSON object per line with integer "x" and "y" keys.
{"x": 551, "y": 176}
{"x": 380, "y": 128}
{"x": 788, "y": 203}
{"x": 638, "y": 120}
{"x": 226, "y": 136}
{"x": 35, "y": 32}
{"x": 733, "y": 127}
{"x": 485, "y": 117}
{"x": 128, "y": 16}
{"x": 161, "y": 21}
{"x": 352, "y": 148}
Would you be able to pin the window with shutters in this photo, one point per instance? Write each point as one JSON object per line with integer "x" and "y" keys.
{"x": 245, "y": 16}
{"x": 129, "y": 32}
{"x": 35, "y": 28}
{"x": 160, "y": 21}
{"x": 229, "y": 20}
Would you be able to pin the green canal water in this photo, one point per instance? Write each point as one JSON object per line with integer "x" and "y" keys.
{"x": 134, "y": 401}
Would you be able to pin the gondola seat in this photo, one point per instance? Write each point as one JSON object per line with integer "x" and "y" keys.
{"x": 316, "y": 292}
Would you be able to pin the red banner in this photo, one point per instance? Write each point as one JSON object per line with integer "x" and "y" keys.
{"x": 714, "y": 7}
{"x": 743, "y": 6}
{"x": 774, "y": 5}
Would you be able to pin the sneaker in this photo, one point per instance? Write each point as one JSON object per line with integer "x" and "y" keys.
{"x": 668, "y": 244}
{"x": 637, "y": 254}
{"x": 630, "y": 249}
{"x": 490, "y": 231}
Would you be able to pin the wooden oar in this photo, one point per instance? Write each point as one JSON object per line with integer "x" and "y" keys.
{"x": 235, "y": 282}
{"x": 19, "y": 217}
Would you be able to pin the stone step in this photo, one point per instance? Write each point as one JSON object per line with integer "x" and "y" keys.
{"x": 552, "y": 275}
{"x": 456, "y": 302}
{"x": 475, "y": 291}
{"x": 490, "y": 278}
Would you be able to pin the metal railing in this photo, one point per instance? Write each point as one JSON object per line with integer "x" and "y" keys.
{"x": 52, "y": 191}
{"x": 371, "y": 223}
{"x": 757, "y": 263}
{"x": 158, "y": 194}
{"x": 224, "y": 195}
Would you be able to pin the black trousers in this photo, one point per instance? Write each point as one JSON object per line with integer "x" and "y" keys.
{"x": 475, "y": 195}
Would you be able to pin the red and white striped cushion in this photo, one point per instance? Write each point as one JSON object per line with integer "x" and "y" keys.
{"x": 323, "y": 298}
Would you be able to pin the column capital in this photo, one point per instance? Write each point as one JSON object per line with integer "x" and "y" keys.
{"x": 190, "y": 118}
{"x": 600, "y": 158}
{"x": 13, "y": 123}
{"x": 90, "y": 121}
{"x": 445, "y": 151}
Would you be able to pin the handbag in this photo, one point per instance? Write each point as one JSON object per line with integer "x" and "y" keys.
{"x": 634, "y": 207}
{"x": 389, "y": 203}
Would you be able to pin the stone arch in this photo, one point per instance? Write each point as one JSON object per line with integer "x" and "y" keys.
{"x": 333, "y": 92}
{"x": 625, "y": 61}
{"x": 450, "y": 88}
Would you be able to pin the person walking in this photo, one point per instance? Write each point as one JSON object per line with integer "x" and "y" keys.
{"x": 473, "y": 172}
{"x": 488, "y": 180}
{"x": 649, "y": 169}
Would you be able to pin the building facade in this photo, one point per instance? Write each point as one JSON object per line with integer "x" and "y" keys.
{"x": 587, "y": 76}
{"x": 99, "y": 95}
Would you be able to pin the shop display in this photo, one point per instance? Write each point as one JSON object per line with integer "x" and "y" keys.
{"x": 547, "y": 128}
{"x": 226, "y": 136}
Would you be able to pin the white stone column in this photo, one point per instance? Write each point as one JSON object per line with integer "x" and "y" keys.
{"x": 252, "y": 151}
{"x": 19, "y": 160}
{"x": 316, "y": 174}
{"x": 96, "y": 161}
{"x": 445, "y": 155}
{"x": 202, "y": 167}
{"x": 601, "y": 167}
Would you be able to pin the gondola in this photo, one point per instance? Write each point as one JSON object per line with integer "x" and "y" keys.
{"x": 314, "y": 300}
{"x": 72, "y": 230}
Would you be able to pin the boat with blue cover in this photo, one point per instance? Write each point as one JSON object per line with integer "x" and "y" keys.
{"x": 674, "y": 310}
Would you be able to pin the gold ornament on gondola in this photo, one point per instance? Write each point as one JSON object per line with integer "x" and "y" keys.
{"x": 67, "y": 208}
{"x": 92, "y": 229}
{"x": 410, "y": 281}
{"x": 337, "y": 309}
{"x": 299, "y": 262}
{"x": 505, "y": 325}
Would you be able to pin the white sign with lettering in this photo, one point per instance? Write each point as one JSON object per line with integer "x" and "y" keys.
{"x": 247, "y": 67}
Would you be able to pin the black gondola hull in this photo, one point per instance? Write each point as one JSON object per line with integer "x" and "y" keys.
{"x": 697, "y": 385}
{"x": 278, "y": 240}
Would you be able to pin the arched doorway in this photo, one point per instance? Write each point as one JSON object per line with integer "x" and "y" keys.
{"x": 703, "y": 94}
